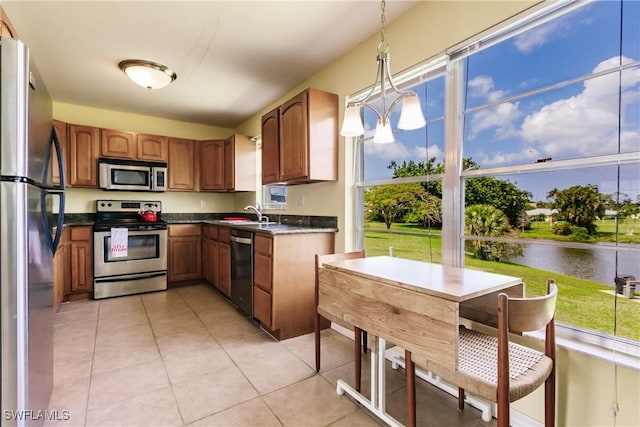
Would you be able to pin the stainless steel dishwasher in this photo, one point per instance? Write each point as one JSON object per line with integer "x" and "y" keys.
{"x": 242, "y": 270}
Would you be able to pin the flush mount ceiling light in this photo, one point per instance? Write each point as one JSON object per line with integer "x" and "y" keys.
{"x": 149, "y": 75}
{"x": 411, "y": 116}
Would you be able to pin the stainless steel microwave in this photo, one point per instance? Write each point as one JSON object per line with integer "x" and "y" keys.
{"x": 132, "y": 175}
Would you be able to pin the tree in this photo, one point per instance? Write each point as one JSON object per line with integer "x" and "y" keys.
{"x": 501, "y": 194}
{"x": 427, "y": 210}
{"x": 628, "y": 212}
{"x": 579, "y": 205}
{"x": 488, "y": 221}
{"x": 390, "y": 202}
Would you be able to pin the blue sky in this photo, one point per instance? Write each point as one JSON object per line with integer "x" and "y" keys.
{"x": 578, "y": 120}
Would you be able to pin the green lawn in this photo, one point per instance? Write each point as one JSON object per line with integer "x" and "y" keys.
{"x": 580, "y": 302}
{"x": 606, "y": 232}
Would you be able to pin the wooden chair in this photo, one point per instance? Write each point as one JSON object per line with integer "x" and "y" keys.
{"x": 502, "y": 371}
{"x": 360, "y": 335}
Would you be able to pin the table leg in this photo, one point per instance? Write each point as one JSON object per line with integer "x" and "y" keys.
{"x": 411, "y": 388}
{"x": 357, "y": 356}
{"x": 376, "y": 403}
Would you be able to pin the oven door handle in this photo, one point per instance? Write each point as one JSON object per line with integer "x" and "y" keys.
{"x": 130, "y": 278}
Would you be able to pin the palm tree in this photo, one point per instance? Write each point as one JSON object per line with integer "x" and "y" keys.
{"x": 489, "y": 221}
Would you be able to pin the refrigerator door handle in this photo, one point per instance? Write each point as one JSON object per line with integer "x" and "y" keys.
{"x": 53, "y": 139}
{"x": 52, "y": 241}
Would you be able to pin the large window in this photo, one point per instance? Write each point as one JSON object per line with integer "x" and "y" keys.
{"x": 548, "y": 145}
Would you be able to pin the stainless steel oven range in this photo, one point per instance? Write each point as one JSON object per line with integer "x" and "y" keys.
{"x": 141, "y": 264}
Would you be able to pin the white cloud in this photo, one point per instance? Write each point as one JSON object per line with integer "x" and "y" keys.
{"x": 501, "y": 117}
{"x": 539, "y": 36}
{"x": 394, "y": 151}
{"x": 527, "y": 155}
{"x": 433, "y": 151}
{"x": 483, "y": 87}
{"x": 586, "y": 123}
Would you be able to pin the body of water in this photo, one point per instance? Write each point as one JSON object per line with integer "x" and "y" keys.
{"x": 595, "y": 264}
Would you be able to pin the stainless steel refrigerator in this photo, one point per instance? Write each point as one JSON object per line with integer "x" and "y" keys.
{"x": 27, "y": 245}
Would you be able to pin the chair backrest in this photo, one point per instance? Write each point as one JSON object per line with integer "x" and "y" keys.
{"x": 529, "y": 314}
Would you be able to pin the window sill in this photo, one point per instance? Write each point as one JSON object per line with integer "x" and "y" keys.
{"x": 620, "y": 351}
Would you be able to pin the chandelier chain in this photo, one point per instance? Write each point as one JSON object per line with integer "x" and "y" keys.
{"x": 382, "y": 19}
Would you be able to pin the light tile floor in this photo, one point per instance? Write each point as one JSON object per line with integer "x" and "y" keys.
{"x": 187, "y": 357}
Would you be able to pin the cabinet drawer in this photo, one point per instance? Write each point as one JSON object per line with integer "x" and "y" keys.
{"x": 262, "y": 271}
{"x": 81, "y": 233}
{"x": 223, "y": 234}
{"x": 262, "y": 306}
{"x": 184, "y": 230}
{"x": 262, "y": 244}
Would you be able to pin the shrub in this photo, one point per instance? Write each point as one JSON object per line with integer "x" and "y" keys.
{"x": 561, "y": 228}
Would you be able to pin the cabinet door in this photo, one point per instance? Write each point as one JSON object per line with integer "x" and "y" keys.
{"x": 61, "y": 131}
{"x": 262, "y": 306}
{"x": 152, "y": 147}
{"x": 81, "y": 259}
{"x": 270, "y": 142}
{"x": 212, "y": 267}
{"x": 224, "y": 268}
{"x": 114, "y": 143}
{"x": 185, "y": 258}
{"x": 84, "y": 145}
{"x": 181, "y": 164}
{"x": 294, "y": 144}
{"x": 230, "y": 164}
{"x": 212, "y": 165}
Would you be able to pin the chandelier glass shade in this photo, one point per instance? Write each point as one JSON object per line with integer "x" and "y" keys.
{"x": 149, "y": 75}
{"x": 411, "y": 116}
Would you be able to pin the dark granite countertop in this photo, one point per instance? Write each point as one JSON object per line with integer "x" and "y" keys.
{"x": 274, "y": 228}
{"x": 279, "y": 224}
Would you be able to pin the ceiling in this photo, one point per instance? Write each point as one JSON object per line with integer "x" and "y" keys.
{"x": 232, "y": 58}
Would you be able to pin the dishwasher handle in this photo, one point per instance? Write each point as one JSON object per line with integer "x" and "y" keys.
{"x": 243, "y": 240}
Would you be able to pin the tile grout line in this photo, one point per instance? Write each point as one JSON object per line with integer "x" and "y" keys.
{"x": 155, "y": 340}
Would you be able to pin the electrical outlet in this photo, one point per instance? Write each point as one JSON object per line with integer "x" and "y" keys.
{"x": 202, "y": 204}
{"x": 301, "y": 200}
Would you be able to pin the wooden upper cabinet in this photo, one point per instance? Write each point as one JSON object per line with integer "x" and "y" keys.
{"x": 152, "y": 147}
{"x": 239, "y": 164}
{"x": 182, "y": 174}
{"x": 228, "y": 165}
{"x": 307, "y": 139}
{"x": 212, "y": 165}
{"x": 270, "y": 147}
{"x": 119, "y": 144}
{"x": 294, "y": 144}
{"x": 84, "y": 146}
{"x": 61, "y": 131}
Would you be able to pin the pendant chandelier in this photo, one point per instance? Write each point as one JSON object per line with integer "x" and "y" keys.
{"x": 411, "y": 116}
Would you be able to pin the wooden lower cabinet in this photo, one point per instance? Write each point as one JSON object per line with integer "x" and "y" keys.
{"x": 73, "y": 265}
{"x": 185, "y": 252}
{"x": 224, "y": 261}
{"x": 284, "y": 281}
{"x": 210, "y": 254}
{"x": 61, "y": 269}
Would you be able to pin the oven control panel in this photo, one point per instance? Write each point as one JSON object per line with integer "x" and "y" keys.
{"x": 128, "y": 206}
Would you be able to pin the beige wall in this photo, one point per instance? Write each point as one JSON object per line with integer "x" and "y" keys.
{"x": 81, "y": 200}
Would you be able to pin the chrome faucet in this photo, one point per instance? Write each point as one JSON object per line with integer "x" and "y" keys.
{"x": 257, "y": 209}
